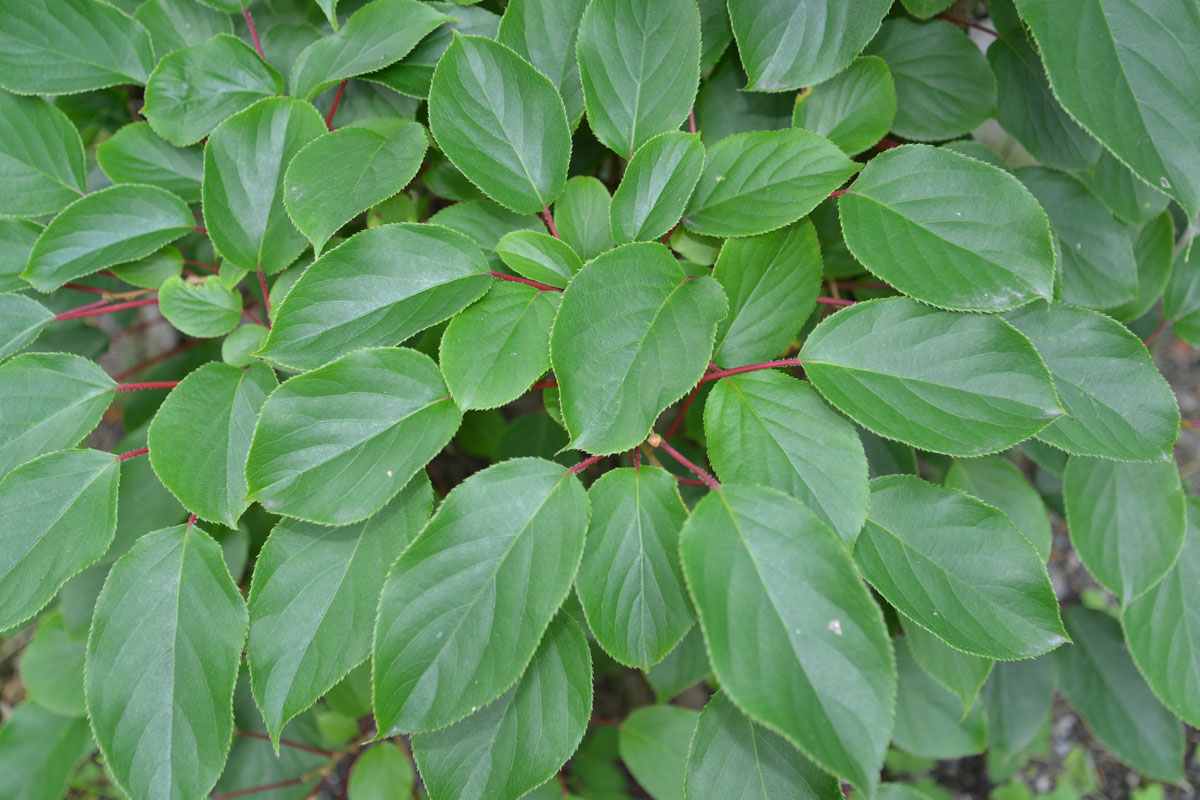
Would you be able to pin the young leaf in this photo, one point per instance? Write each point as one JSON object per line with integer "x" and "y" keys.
{"x": 929, "y": 718}
{"x": 244, "y": 163}
{"x": 539, "y": 257}
{"x": 380, "y": 287}
{"x": 334, "y": 445}
{"x": 111, "y": 226}
{"x": 942, "y": 395}
{"x": 59, "y": 511}
{"x": 854, "y": 109}
{"x": 205, "y": 308}
{"x": 996, "y": 481}
{"x": 654, "y": 746}
{"x": 582, "y": 214}
{"x": 789, "y": 626}
{"x": 630, "y": 583}
{"x": 756, "y": 182}
{"x": 135, "y": 154}
{"x": 52, "y": 668}
{"x": 732, "y": 756}
{"x": 984, "y": 243}
{"x": 41, "y": 157}
{"x": 519, "y": 741}
{"x": 639, "y": 61}
{"x": 195, "y": 89}
{"x": 957, "y": 567}
{"x": 313, "y": 600}
{"x": 162, "y": 659}
{"x": 1018, "y": 697}
{"x": 633, "y": 334}
{"x": 543, "y": 32}
{"x": 656, "y": 186}
{"x": 381, "y": 773}
{"x": 1127, "y": 521}
{"x": 345, "y": 172}
{"x": 769, "y": 429}
{"x": 787, "y": 45}
{"x": 176, "y": 24}
{"x": 468, "y": 601}
{"x": 39, "y": 750}
{"x": 21, "y": 320}
{"x": 963, "y": 674}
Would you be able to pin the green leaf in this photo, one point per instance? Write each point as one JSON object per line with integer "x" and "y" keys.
{"x": 996, "y": 481}
{"x": 683, "y": 667}
{"x": 788, "y": 625}
{"x": 206, "y": 308}
{"x": 48, "y": 401}
{"x": 1162, "y": 628}
{"x": 1137, "y": 100}
{"x": 924, "y": 9}
{"x": 135, "y": 154}
{"x": 1125, "y": 194}
{"x": 582, "y": 216}
{"x": 21, "y": 320}
{"x": 523, "y": 738}
{"x": 378, "y": 34}
{"x": 69, "y": 46}
{"x": 313, "y": 599}
{"x": 244, "y": 162}
{"x": 633, "y": 334}
{"x": 162, "y": 660}
{"x": 52, "y": 668}
{"x": 343, "y": 173}
{"x": 944, "y": 86}
{"x": 539, "y": 257}
{"x": 1100, "y": 681}
{"x": 1181, "y": 300}
{"x": 772, "y": 281}
{"x": 786, "y": 45}
{"x": 983, "y": 242}
{"x": 715, "y": 32}
{"x": 1127, "y": 521}
{"x": 59, "y": 511}
{"x": 756, "y": 182}
{"x": 16, "y": 240}
{"x": 654, "y": 746}
{"x": 1097, "y": 266}
{"x": 929, "y": 718}
{"x": 630, "y": 583}
{"x": 963, "y": 674}
{"x": 943, "y": 394}
{"x": 732, "y": 756}
{"x": 412, "y": 75}
{"x": 200, "y": 437}
{"x": 656, "y": 186}
{"x": 1018, "y": 697}
{"x": 334, "y": 445}
{"x": 543, "y": 32}
{"x": 1118, "y": 405}
{"x": 152, "y": 271}
{"x": 1154, "y": 252}
{"x": 493, "y": 350}
{"x": 853, "y": 109}
{"x": 463, "y": 609}
{"x": 957, "y": 567}
{"x": 111, "y": 226}
{"x": 38, "y": 752}
{"x": 639, "y": 61}
{"x": 723, "y": 109}
{"x": 379, "y": 288}
{"x": 193, "y": 90}
{"x": 501, "y": 122}
{"x": 382, "y": 772}
{"x": 769, "y": 429}
{"x": 485, "y": 221}
{"x": 175, "y": 24}
{"x": 41, "y": 157}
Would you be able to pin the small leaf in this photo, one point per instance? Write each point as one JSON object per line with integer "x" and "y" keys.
{"x": 52, "y": 668}
{"x": 654, "y": 746}
{"x": 582, "y": 215}
{"x": 996, "y": 481}
{"x": 477, "y": 551}
{"x": 162, "y": 659}
{"x": 854, "y": 109}
{"x": 39, "y": 750}
{"x": 715, "y": 32}
{"x": 21, "y": 320}
{"x": 963, "y": 674}
{"x": 1018, "y": 697}
{"x": 334, "y": 445}
{"x": 381, "y": 773}
{"x": 756, "y": 182}
{"x": 176, "y": 24}
{"x": 929, "y": 719}
{"x": 135, "y": 154}
{"x": 656, "y": 186}
{"x": 206, "y": 309}
{"x": 41, "y": 157}
{"x": 539, "y": 257}
{"x": 684, "y": 666}
{"x": 543, "y": 32}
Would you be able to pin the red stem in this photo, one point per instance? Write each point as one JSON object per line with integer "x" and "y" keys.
{"x": 191, "y": 263}
{"x": 125, "y": 387}
{"x": 315, "y": 750}
{"x": 545, "y": 287}
{"x": 91, "y": 311}
{"x": 177, "y": 349}
{"x": 337, "y": 98}
{"x": 603, "y": 721}
{"x": 637, "y": 458}
{"x": 262, "y": 284}
{"x": 546, "y": 216}
{"x": 838, "y": 193}
{"x": 257, "y": 48}
{"x": 266, "y": 787}
{"x": 692, "y": 120}
{"x": 254, "y": 319}
{"x": 132, "y": 453}
{"x": 964, "y": 23}
{"x": 1162, "y": 326}
{"x": 690, "y": 481}
{"x": 682, "y": 412}
{"x": 201, "y": 229}
{"x": 835, "y": 301}
{"x": 725, "y": 373}
{"x": 657, "y": 441}
{"x": 79, "y": 287}
{"x": 582, "y": 465}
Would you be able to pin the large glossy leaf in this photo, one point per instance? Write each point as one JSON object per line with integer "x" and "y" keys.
{"x": 639, "y": 61}
{"x": 957, "y": 567}
{"x": 929, "y": 718}
{"x": 653, "y": 743}
{"x": 789, "y": 625}
{"x": 111, "y": 226}
{"x": 731, "y": 756}
{"x": 787, "y": 45}
{"x": 1127, "y": 521}
{"x": 931, "y": 378}
{"x": 1100, "y": 680}
{"x": 633, "y": 334}
{"x": 59, "y": 511}
{"x": 135, "y": 154}
{"x": 501, "y": 122}
{"x": 195, "y": 89}
{"x": 244, "y": 163}
{"x": 68, "y": 46}
{"x": 379, "y": 288}
{"x": 997, "y": 481}
{"x": 853, "y": 109}
{"x": 949, "y": 230}
{"x": 463, "y": 609}
{"x": 345, "y": 172}
{"x": 313, "y": 601}
{"x": 48, "y": 401}
{"x": 756, "y": 182}
{"x": 41, "y": 157}
{"x": 961, "y": 673}
{"x": 1118, "y": 405}
{"x": 543, "y": 32}
{"x": 163, "y": 657}
{"x": 523, "y": 738}
{"x": 1136, "y": 99}
{"x": 656, "y": 186}
{"x": 333, "y": 445}
{"x": 630, "y": 583}
{"x": 21, "y": 320}
{"x": 38, "y": 752}
{"x": 1162, "y": 628}
{"x": 773, "y": 430}
{"x": 1018, "y": 697}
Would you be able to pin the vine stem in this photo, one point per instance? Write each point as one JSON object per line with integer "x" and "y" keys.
{"x": 654, "y": 440}
{"x": 725, "y": 373}
{"x": 834, "y": 301}
{"x": 287, "y": 742}
{"x": 1162, "y": 326}
{"x": 545, "y": 287}
{"x": 91, "y": 311}
{"x": 262, "y": 284}
{"x": 133, "y": 453}
{"x": 337, "y": 98}
{"x": 582, "y": 465}
{"x": 692, "y": 120}
{"x": 966, "y": 23}
{"x": 253, "y": 31}
{"x": 549, "y": 220}
{"x": 125, "y": 387}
